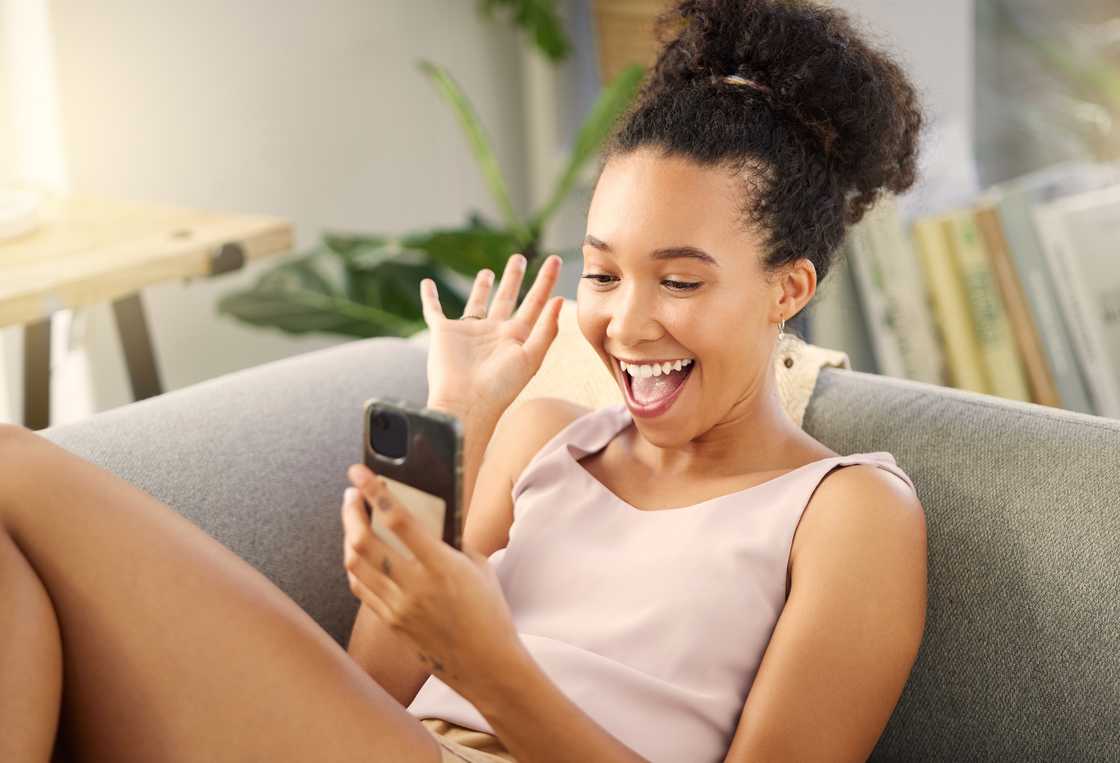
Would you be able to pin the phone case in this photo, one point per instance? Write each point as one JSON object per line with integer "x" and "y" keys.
{"x": 427, "y": 479}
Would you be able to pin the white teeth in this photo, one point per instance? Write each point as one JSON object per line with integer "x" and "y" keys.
{"x": 645, "y": 371}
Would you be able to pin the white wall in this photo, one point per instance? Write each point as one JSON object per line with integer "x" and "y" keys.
{"x": 306, "y": 109}
{"x": 933, "y": 40}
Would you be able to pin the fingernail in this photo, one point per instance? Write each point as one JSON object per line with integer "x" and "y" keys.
{"x": 519, "y": 260}
{"x": 351, "y": 493}
{"x": 359, "y": 475}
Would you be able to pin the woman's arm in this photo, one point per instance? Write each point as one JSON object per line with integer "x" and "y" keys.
{"x": 386, "y": 657}
{"x": 536, "y": 721}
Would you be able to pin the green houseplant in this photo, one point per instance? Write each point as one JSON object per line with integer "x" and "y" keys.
{"x": 367, "y": 284}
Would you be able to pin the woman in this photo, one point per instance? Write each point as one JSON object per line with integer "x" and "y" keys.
{"x": 691, "y": 576}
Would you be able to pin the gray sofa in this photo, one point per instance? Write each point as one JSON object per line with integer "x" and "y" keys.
{"x": 1021, "y": 655}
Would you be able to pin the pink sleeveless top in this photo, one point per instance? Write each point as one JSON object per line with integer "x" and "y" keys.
{"x": 652, "y": 622}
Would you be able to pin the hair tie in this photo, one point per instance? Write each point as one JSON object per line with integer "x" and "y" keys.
{"x": 823, "y": 130}
{"x": 735, "y": 79}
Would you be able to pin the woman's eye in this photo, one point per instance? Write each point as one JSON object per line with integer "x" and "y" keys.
{"x": 673, "y": 285}
{"x": 594, "y": 276}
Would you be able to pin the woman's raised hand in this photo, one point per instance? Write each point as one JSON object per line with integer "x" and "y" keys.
{"x": 485, "y": 362}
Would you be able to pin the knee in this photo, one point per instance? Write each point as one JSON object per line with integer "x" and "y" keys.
{"x": 13, "y": 430}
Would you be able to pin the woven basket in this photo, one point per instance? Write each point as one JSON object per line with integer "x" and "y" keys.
{"x": 624, "y": 34}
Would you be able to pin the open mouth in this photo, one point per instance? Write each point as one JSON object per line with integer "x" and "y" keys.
{"x": 652, "y": 396}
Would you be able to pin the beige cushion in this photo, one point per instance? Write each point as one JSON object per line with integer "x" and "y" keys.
{"x": 573, "y": 371}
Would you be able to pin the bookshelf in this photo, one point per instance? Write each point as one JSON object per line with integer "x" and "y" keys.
{"x": 1015, "y": 293}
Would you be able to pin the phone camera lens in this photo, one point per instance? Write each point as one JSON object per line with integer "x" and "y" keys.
{"x": 388, "y": 434}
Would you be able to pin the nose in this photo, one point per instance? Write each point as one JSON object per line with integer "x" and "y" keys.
{"x": 632, "y": 321}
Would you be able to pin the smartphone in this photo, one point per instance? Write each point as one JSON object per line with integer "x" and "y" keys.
{"x": 419, "y": 453}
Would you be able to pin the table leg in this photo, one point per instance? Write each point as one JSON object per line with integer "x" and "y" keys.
{"x": 136, "y": 341}
{"x": 37, "y": 374}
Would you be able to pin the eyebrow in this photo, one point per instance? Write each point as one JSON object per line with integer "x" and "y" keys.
{"x": 665, "y": 253}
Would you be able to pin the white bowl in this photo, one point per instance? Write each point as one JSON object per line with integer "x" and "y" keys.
{"x": 19, "y": 212}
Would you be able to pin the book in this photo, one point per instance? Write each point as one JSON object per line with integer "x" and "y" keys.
{"x": 1002, "y": 364}
{"x": 1079, "y": 236}
{"x": 880, "y": 311}
{"x": 1027, "y": 339}
{"x": 836, "y": 315}
{"x": 905, "y": 290}
{"x": 951, "y": 313}
{"x": 1014, "y": 200}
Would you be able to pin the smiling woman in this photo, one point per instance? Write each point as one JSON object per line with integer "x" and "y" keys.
{"x": 693, "y": 575}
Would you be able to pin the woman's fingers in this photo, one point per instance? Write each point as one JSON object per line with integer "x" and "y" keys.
{"x": 544, "y": 331}
{"x": 364, "y": 554}
{"x": 429, "y": 301}
{"x": 359, "y": 533}
{"x": 480, "y": 293}
{"x": 535, "y": 300}
{"x": 358, "y": 564}
{"x": 506, "y": 297}
{"x": 370, "y": 599}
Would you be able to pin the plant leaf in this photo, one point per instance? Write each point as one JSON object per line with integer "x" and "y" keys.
{"x": 394, "y": 286}
{"x": 479, "y": 142}
{"x": 297, "y": 298}
{"x": 539, "y": 19}
{"x": 369, "y": 252}
{"x": 305, "y": 272}
{"x": 345, "y": 243}
{"x": 467, "y": 250}
{"x": 301, "y": 311}
{"x": 612, "y": 102}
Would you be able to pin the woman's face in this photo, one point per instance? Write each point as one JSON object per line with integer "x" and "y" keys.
{"x": 715, "y": 306}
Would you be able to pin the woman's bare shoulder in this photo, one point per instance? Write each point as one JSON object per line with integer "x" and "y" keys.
{"x": 539, "y": 419}
{"x": 525, "y": 428}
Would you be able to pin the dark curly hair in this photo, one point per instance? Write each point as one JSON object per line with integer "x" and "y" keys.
{"x": 826, "y": 123}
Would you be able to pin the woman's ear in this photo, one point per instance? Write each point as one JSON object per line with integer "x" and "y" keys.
{"x": 794, "y": 289}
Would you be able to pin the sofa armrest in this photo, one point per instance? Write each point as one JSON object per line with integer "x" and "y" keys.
{"x": 257, "y": 458}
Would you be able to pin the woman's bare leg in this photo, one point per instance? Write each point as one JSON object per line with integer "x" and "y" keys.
{"x": 173, "y": 648}
{"x": 30, "y": 660}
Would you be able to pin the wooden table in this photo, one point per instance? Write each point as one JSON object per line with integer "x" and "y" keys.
{"x": 92, "y": 249}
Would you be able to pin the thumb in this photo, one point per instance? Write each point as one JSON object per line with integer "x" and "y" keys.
{"x": 544, "y": 330}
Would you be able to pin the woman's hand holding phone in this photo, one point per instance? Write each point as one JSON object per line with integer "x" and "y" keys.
{"x": 448, "y": 604}
{"x": 486, "y": 361}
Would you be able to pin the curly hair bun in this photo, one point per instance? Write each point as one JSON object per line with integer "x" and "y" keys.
{"x": 854, "y": 100}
